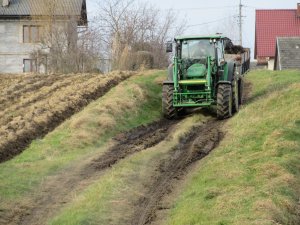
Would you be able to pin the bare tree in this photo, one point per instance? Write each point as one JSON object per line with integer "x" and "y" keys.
{"x": 133, "y": 31}
{"x": 64, "y": 47}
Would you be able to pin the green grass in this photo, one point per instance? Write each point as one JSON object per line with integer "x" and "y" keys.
{"x": 113, "y": 198}
{"x": 135, "y": 101}
{"x": 253, "y": 177}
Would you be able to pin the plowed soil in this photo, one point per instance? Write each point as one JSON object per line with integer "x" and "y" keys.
{"x": 33, "y": 105}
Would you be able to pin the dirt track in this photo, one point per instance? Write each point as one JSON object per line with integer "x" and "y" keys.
{"x": 58, "y": 190}
{"x": 196, "y": 145}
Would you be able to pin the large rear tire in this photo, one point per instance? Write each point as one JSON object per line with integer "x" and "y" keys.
{"x": 224, "y": 101}
{"x": 169, "y": 111}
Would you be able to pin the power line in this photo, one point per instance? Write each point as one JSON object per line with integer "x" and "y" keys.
{"x": 214, "y": 21}
{"x": 209, "y": 22}
{"x": 250, "y": 6}
{"x": 203, "y": 8}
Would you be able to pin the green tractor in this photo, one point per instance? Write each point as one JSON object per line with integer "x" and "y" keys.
{"x": 206, "y": 71}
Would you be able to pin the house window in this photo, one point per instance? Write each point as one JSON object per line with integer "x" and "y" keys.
{"x": 29, "y": 65}
{"x": 31, "y": 34}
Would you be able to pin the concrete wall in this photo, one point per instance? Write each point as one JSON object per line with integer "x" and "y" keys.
{"x": 12, "y": 48}
{"x": 271, "y": 64}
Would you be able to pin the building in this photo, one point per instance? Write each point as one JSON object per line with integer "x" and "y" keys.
{"x": 21, "y": 29}
{"x": 271, "y": 24}
{"x": 287, "y": 53}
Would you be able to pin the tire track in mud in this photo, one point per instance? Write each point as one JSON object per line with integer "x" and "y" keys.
{"x": 195, "y": 146}
{"x": 58, "y": 190}
{"x": 192, "y": 148}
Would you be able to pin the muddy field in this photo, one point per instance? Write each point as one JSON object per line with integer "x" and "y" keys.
{"x": 40, "y": 105}
{"x": 58, "y": 190}
{"x": 33, "y": 105}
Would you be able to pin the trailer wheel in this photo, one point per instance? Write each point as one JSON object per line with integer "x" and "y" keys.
{"x": 236, "y": 97}
{"x": 169, "y": 111}
{"x": 224, "y": 101}
{"x": 241, "y": 91}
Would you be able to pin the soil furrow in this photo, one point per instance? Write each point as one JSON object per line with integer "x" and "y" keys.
{"x": 12, "y": 147}
{"x": 192, "y": 148}
{"x": 29, "y": 86}
{"x": 58, "y": 190}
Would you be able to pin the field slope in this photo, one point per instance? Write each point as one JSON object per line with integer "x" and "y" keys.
{"x": 118, "y": 162}
{"x": 253, "y": 177}
{"x": 33, "y": 105}
{"x": 55, "y": 167}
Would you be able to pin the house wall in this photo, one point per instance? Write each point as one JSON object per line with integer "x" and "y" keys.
{"x": 271, "y": 64}
{"x": 267, "y": 62}
{"x": 262, "y": 61}
{"x": 12, "y": 49}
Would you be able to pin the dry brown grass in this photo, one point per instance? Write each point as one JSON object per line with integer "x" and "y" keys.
{"x": 33, "y": 105}
{"x": 104, "y": 115}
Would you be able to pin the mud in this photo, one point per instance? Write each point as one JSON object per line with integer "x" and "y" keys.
{"x": 200, "y": 141}
{"x": 247, "y": 92}
{"x": 134, "y": 141}
{"x": 58, "y": 190}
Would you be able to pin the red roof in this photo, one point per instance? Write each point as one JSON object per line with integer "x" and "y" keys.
{"x": 271, "y": 24}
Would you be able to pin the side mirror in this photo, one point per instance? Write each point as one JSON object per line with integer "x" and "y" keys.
{"x": 169, "y": 46}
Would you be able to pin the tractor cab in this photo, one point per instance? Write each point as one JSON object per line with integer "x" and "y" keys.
{"x": 194, "y": 54}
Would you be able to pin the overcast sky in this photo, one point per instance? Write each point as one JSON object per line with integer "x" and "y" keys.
{"x": 205, "y": 17}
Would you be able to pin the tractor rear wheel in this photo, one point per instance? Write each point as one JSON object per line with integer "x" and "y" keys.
{"x": 169, "y": 111}
{"x": 224, "y": 101}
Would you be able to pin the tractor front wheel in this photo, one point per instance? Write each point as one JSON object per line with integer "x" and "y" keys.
{"x": 224, "y": 101}
{"x": 169, "y": 111}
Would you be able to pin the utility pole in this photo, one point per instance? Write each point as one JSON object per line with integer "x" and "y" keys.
{"x": 241, "y": 23}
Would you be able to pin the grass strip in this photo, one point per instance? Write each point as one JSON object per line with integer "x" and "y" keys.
{"x": 253, "y": 176}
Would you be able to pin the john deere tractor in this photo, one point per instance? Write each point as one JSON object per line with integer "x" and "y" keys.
{"x": 206, "y": 71}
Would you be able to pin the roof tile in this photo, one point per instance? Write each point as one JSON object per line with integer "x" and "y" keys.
{"x": 289, "y": 52}
{"x": 37, "y": 8}
{"x": 271, "y": 24}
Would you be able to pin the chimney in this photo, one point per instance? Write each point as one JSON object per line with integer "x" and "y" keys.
{"x": 298, "y": 9}
{"x": 5, "y": 3}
